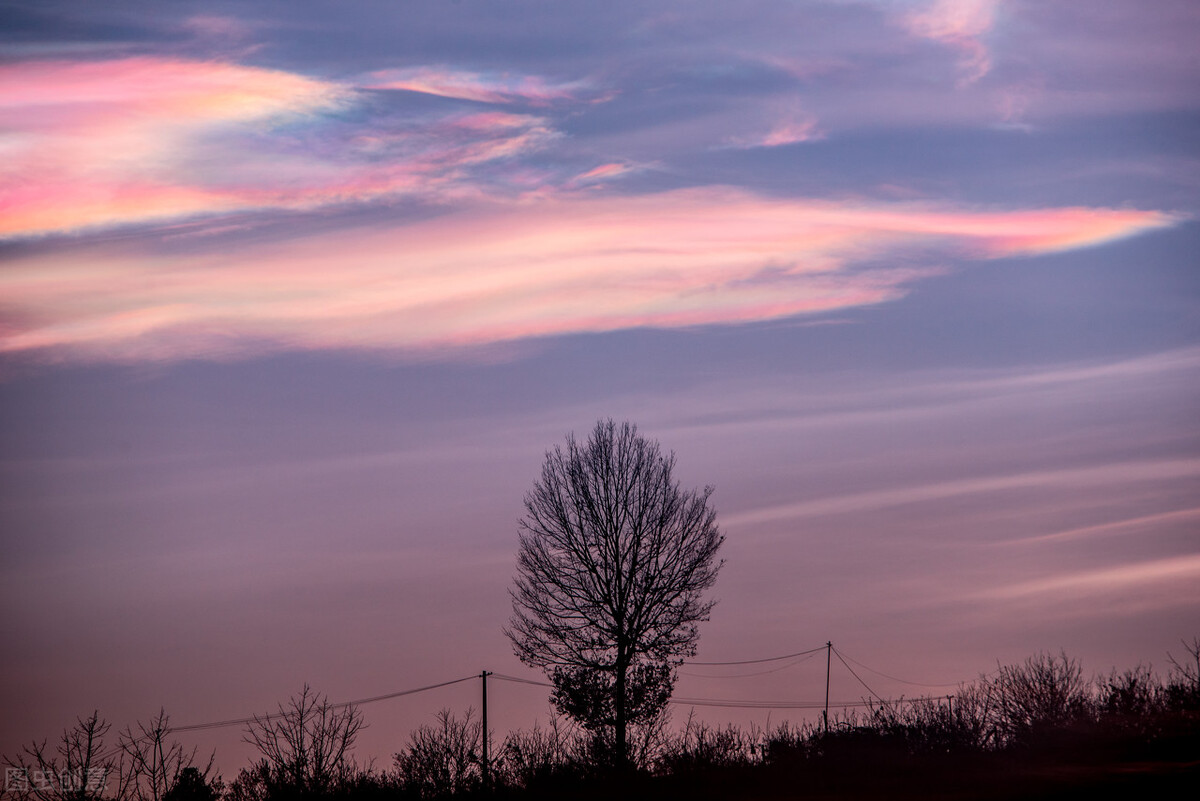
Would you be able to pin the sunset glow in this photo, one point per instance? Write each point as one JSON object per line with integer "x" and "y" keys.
{"x": 296, "y": 297}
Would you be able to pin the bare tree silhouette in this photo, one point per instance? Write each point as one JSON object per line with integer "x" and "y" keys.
{"x": 151, "y": 766}
{"x": 305, "y": 746}
{"x": 613, "y": 563}
{"x": 443, "y": 760}
{"x": 77, "y": 769}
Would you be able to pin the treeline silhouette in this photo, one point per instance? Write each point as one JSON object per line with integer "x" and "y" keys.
{"x": 1039, "y": 728}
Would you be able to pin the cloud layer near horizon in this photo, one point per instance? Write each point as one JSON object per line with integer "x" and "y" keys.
{"x": 221, "y": 225}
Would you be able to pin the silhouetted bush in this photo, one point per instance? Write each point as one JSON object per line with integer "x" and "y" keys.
{"x": 542, "y": 756}
{"x": 151, "y": 765}
{"x": 1183, "y": 686}
{"x": 442, "y": 760}
{"x": 78, "y": 768}
{"x": 1038, "y": 699}
{"x": 192, "y": 785}
{"x": 1037, "y": 729}
{"x": 306, "y": 751}
{"x": 701, "y": 747}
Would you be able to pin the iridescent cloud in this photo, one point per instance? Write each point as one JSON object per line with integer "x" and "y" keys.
{"x": 598, "y": 175}
{"x": 788, "y": 132}
{"x": 102, "y": 143}
{"x": 961, "y": 24}
{"x": 481, "y": 87}
{"x": 98, "y": 144}
{"x": 500, "y": 272}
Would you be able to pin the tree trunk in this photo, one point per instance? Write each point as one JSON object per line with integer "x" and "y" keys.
{"x": 621, "y": 734}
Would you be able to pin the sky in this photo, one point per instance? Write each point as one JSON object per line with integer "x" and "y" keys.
{"x": 294, "y": 298}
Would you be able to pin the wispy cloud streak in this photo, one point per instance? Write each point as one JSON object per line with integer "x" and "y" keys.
{"x": 1106, "y": 581}
{"x": 1120, "y": 473}
{"x": 1108, "y": 529}
{"x": 480, "y": 87}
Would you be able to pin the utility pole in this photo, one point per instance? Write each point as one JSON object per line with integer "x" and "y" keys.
{"x": 828, "y": 657}
{"x": 483, "y": 674}
{"x": 157, "y": 761}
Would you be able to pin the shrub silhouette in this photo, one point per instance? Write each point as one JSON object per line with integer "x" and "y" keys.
{"x": 77, "y": 769}
{"x": 306, "y": 750}
{"x": 1034, "y": 729}
{"x": 192, "y": 785}
{"x": 1036, "y": 699}
{"x": 442, "y": 760}
{"x": 543, "y": 756}
{"x": 701, "y": 747}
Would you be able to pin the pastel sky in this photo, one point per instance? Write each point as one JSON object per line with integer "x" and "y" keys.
{"x": 295, "y": 296}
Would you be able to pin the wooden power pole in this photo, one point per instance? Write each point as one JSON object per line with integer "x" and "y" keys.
{"x": 483, "y": 674}
{"x": 828, "y": 657}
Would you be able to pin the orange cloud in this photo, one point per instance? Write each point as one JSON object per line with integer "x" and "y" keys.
{"x": 546, "y": 266}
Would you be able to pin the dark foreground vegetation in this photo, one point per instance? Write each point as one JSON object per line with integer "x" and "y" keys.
{"x": 1039, "y": 729}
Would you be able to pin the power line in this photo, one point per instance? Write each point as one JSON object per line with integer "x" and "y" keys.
{"x": 758, "y": 661}
{"x": 704, "y": 702}
{"x": 755, "y": 673}
{"x": 725, "y": 702}
{"x": 734, "y": 703}
{"x": 218, "y": 724}
{"x": 752, "y": 704}
{"x": 373, "y": 699}
{"x": 893, "y": 678}
{"x": 520, "y": 680}
{"x": 714, "y": 702}
{"x": 860, "y": 681}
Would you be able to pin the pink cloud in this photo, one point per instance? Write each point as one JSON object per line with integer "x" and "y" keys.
{"x": 601, "y": 173}
{"x": 134, "y": 140}
{"x": 1107, "y": 529}
{"x": 480, "y": 87}
{"x": 217, "y": 27}
{"x": 546, "y": 266}
{"x": 494, "y": 121}
{"x": 605, "y": 171}
{"x": 52, "y": 95}
{"x": 1179, "y": 573}
{"x": 1098, "y": 476}
{"x": 788, "y": 132}
{"x": 961, "y": 24}
{"x": 101, "y": 143}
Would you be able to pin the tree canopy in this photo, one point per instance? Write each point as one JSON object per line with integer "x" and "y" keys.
{"x": 612, "y": 568}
